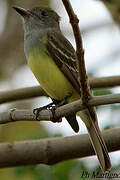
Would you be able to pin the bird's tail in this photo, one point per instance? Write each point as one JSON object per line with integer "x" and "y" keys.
{"x": 73, "y": 122}
{"x": 97, "y": 140}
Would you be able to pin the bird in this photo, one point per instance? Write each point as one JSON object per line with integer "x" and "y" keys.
{"x": 52, "y": 59}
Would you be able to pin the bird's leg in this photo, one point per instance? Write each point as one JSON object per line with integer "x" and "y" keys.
{"x": 52, "y": 107}
{"x": 61, "y": 102}
{"x": 58, "y": 104}
{"x": 36, "y": 111}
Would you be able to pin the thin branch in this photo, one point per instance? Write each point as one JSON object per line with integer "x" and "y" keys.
{"x": 30, "y": 92}
{"x": 46, "y": 115}
{"x": 20, "y": 94}
{"x": 85, "y": 92}
{"x": 105, "y": 82}
{"x": 53, "y": 150}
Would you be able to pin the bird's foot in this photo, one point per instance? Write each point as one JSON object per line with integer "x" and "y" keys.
{"x": 36, "y": 111}
{"x": 52, "y": 107}
{"x": 63, "y": 101}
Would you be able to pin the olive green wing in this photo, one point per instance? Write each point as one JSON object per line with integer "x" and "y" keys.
{"x": 64, "y": 57}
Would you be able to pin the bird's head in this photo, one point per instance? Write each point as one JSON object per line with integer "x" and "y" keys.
{"x": 38, "y": 17}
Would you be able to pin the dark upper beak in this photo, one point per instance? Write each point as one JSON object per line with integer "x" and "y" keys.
{"x": 23, "y": 12}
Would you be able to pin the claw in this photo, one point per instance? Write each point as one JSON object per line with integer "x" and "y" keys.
{"x": 36, "y": 111}
{"x": 52, "y": 106}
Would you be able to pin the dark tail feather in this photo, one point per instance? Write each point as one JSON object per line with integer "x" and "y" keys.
{"x": 97, "y": 141}
{"x": 73, "y": 122}
{"x": 99, "y": 147}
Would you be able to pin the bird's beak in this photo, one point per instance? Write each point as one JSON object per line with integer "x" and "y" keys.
{"x": 23, "y": 12}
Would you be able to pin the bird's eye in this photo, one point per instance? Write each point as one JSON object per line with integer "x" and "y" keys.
{"x": 44, "y": 13}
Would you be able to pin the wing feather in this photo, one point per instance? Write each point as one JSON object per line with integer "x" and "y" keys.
{"x": 64, "y": 56}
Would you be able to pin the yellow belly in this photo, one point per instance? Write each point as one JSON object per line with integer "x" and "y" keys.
{"x": 51, "y": 79}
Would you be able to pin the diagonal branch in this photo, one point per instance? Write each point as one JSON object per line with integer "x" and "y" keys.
{"x": 86, "y": 94}
{"x": 53, "y": 150}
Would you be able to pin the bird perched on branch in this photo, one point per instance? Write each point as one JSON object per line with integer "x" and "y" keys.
{"x": 52, "y": 60}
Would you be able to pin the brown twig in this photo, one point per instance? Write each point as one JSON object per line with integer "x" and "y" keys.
{"x": 46, "y": 115}
{"x": 30, "y": 92}
{"x": 86, "y": 94}
{"x": 20, "y": 94}
{"x": 104, "y": 82}
{"x": 53, "y": 150}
